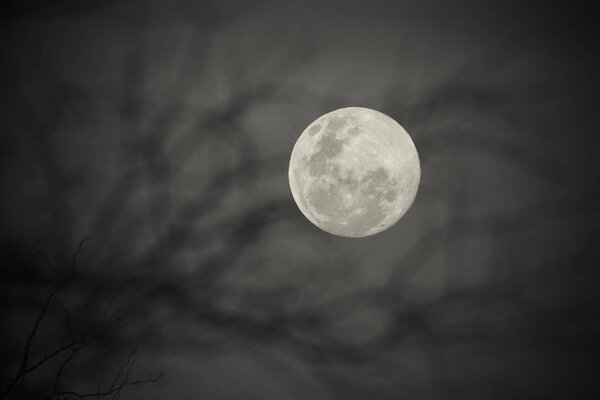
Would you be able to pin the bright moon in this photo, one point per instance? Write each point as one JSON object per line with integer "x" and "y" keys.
{"x": 354, "y": 172}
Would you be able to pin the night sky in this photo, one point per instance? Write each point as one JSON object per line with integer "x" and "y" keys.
{"x": 148, "y": 232}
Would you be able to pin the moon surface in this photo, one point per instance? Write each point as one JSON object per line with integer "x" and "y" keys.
{"x": 354, "y": 172}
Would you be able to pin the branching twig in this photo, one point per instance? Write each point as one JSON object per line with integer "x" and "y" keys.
{"x": 108, "y": 392}
{"x": 74, "y": 256}
{"x": 72, "y": 342}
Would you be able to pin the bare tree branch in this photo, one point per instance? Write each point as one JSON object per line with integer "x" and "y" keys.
{"x": 74, "y": 342}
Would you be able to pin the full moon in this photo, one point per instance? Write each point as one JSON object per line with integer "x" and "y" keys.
{"x": 354, "y": 172}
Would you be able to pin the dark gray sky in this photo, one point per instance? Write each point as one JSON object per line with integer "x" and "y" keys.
{"x": 163, "y": 132}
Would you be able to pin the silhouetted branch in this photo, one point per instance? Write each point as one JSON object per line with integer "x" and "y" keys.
{"x": 75, "y": 343}
{"x": 112, "y": 391}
